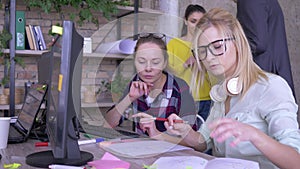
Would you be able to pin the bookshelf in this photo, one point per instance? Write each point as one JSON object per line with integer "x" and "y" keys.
{"x": 27, "y": 52}
{"x": 39, "y": 53}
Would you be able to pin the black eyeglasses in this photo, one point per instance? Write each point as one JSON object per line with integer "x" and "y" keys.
{"x": 147, "y": 35}
{"x": 216, "y": 48}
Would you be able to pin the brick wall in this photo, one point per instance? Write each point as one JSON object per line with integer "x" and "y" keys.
{"x": 95, "y": 68}
{"x": 107, "y": 32}
{"x": 37, "y": 17}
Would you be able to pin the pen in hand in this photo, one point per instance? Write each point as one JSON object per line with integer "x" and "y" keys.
{"x": 165, "y": 119}
{"x": 145, "y": 120}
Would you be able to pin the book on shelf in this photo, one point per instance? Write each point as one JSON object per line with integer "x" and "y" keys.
{"x": 40, "y": 38}
{"x": 33, "y": 35}
{"x": 29, "y": 38}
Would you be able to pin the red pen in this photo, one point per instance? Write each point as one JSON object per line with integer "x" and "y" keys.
{"x": 42, "y": 144}
{"x": 164, "y": 119}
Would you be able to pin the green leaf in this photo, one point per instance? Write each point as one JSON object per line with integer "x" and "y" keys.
{"x": 85, "y": 8}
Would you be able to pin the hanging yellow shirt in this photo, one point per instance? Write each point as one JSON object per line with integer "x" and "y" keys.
{"x": 179, "y": 51}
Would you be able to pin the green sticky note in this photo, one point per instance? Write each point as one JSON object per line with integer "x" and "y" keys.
{"x": 12, "y": 166}
{"x": 149, "y": 166}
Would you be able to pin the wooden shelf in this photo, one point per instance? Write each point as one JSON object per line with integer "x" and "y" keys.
{"x": 17, "y": 106}
{"x": 88, "y": 55}
{"x": 106, "y": 55}
{"x": 83, "y": 105}
{"x": 27, "y": 52}
{"x": 6, "y": 106}
{"x": 102, "y": 104}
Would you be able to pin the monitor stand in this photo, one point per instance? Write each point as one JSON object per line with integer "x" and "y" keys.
{"x": 45, "y": 158}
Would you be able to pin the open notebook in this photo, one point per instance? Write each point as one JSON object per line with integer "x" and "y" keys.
{"x": 195, "y": 162}
{"x": 21, "y": 125}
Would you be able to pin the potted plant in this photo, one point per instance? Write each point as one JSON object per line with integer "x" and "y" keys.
{"x": 5, "y": 37}
{"x": 103, "y": 92}
{"x": 89, "y": 94}
{"x": 118, "y": 85}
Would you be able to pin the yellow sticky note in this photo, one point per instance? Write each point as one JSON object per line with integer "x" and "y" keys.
{"x": 60, "y": 79}
{"x": 57, "y": 29}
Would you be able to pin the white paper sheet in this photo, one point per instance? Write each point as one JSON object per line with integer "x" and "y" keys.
{"x": 142, "y": 148}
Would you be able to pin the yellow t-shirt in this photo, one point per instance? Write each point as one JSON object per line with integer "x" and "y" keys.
{"x": 179, "y": 51}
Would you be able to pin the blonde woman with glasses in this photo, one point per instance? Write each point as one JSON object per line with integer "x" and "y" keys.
{"x": 254, "y": 114}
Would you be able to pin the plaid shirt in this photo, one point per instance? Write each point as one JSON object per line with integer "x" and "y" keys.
{"x": 169, "y": 101}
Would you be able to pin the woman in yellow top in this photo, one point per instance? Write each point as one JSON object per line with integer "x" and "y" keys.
{"x": 181, "y": 60}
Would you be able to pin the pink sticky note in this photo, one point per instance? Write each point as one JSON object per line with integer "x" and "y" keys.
{"x": 108, "y": 156}
{"x": 108, "y": 161}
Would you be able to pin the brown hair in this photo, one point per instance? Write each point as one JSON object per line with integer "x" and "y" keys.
{"x": 153, "y": 39}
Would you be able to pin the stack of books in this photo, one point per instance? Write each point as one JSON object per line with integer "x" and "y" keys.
{"x": 35, "y": 37}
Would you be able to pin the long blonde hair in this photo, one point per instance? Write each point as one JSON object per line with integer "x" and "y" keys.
{"x": 247, "y": 70}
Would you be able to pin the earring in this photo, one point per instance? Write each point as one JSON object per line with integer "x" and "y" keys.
{"x": 219, "y": 92}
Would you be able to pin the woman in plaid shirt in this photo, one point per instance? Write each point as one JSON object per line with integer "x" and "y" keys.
{"x": 153, "y": 92}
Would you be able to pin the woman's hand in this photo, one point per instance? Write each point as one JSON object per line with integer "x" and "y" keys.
{"x": 224, "y": 128}
{"x": 138, "y": 89}
{"x": 180, "y": 129}
{"x": 147, "y": 124}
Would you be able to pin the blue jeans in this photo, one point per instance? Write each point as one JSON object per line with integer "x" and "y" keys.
{"x": 203, "y": 108}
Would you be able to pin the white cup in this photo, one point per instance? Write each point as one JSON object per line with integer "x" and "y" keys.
{"x": 4, "y": 130}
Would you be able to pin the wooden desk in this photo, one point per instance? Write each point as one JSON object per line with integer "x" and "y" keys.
{"x": 16, "y": 153}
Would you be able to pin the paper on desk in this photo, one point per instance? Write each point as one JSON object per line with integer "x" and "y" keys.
{"x": 108, "y": 161}
{"x": 194, "y": 162}
{"x": 231, "y": 163}
{"x": 180, "y": 162}
{"x": 142, "y": 148}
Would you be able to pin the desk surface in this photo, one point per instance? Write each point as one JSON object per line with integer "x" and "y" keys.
{"x": 16, "y": 153}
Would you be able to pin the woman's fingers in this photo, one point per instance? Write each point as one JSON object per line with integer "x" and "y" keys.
{"x": 142, "y": 87}
{"x": 225, "y": 128}
{"x": 143, "y": 117}
{"x": 172, "y": 118}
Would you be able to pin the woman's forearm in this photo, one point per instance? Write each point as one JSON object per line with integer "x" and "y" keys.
{"x": 114, "y": 115}
{"x": 193, "y": 140}
{"x": 273, "y": 150}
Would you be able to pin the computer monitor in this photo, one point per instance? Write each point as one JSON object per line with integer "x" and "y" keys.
{"x": 63, "y": 103}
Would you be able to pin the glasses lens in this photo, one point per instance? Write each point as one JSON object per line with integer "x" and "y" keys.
{"x": 217, "y": 48}
{"x": 158, "y": 35}
{"x": 154, "y": 35}
{"x": 202, "y": 52}
{"x": 144, "y": 35}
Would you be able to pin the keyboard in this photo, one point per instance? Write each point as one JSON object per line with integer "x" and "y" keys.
{"x": 108, "y": 133}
